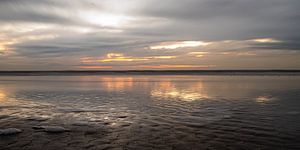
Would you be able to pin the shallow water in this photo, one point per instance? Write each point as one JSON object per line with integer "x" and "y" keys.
{"x": 151, "y": 112}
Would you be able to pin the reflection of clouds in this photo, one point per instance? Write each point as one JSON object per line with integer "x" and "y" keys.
{"x": 264, "y": 98}
{"x": 169, "y": 90}
{"x": 117, "y": 83}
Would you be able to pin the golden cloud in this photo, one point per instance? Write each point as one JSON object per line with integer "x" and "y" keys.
{"x": 198, "y": 54}
{"x": 95, "y": 67}
{"x": 120, "y": 57}
{"x": 111, "y": 57}
{"x": 177, "y": 66}
{"x": 163, "y": 57}
{"x": 180, "y": 44}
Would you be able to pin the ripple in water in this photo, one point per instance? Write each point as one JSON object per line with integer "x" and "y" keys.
{"x": 151, "y": 112}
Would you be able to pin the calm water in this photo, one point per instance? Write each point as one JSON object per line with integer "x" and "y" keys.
{"x": 152, "y": 112}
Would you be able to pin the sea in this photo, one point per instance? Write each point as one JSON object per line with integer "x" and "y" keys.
{"x": 154, "y": 111}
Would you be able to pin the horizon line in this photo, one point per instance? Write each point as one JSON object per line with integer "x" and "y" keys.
{"x": 225, "y": 70}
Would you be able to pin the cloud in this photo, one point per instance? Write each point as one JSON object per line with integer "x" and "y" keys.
{"x": 178, "y": 66}
{"x": 181, "y": 44}
{"x": 266, "y": 40}
{"x": 198, "y": 54}
{"x": 119, "y": 57}
{"x": 95, "y": 67}
{"x": 145, "y": 32}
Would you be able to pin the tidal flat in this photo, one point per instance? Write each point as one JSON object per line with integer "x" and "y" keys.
{"x": 172, "y": 112}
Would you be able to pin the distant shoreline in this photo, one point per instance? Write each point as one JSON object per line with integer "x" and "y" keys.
{"x": 149, "y": 72}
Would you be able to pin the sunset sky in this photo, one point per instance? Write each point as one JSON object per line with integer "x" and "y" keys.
{"x": 149, "y": 34}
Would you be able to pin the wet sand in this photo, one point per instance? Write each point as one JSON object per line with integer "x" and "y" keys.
{"x": 142, "y": 112}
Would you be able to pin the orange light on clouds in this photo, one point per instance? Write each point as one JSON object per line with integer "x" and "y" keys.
{"x": 2, "y": 47}
{"x": 119, "y": 57}
{"x": 163, "y": 57}
{"x": 176, "y": 66}
{"x": 2, "y": 94}
{"x": 95, "y": 67}
{"x": 181, "y": 44}
{"x": 5, "y": 44}
{"x": 198, "y": 54}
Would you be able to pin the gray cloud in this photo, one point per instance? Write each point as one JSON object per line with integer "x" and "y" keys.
{"x": 227, "y": 19}
{"x": 150, "y": 22}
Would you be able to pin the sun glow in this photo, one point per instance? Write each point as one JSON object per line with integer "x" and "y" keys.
{"x": 5, "y": 45}
{"x": 103, "y": 19}
{"x": 2, "y": 47}
{"x": 2, "y": 94}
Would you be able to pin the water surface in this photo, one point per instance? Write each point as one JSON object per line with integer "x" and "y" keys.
{"x": 152, "y": 112}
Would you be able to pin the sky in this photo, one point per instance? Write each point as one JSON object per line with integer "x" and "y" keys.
{"x": 149, "y": 34}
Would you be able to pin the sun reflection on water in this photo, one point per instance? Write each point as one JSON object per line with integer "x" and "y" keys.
{"x": 2, "y": 95}
{"x": 170, "y": 91}
{"x": 264, "y": 98}
{"x": 117, "y": 83}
